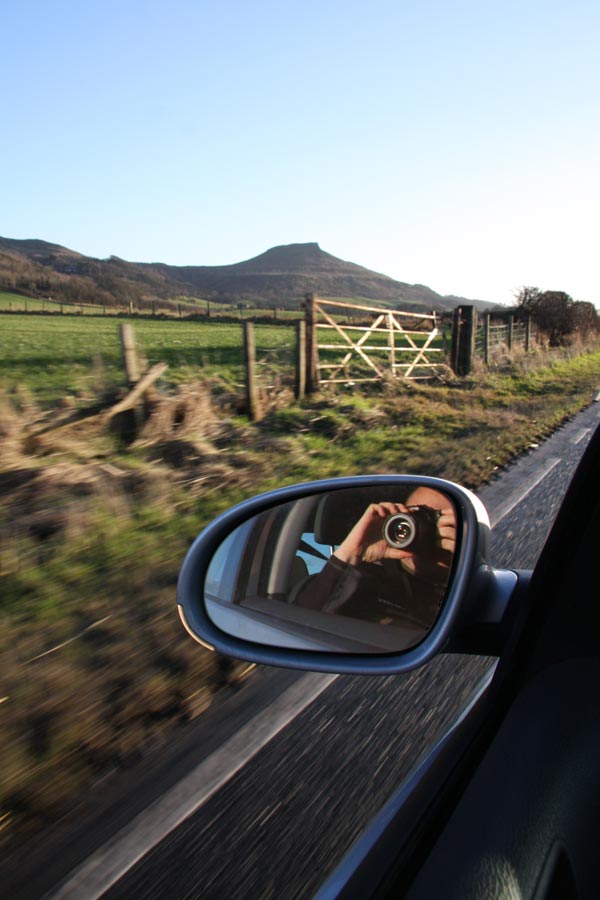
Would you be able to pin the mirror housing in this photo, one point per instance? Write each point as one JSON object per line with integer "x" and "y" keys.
{"x": 467, "y": 602}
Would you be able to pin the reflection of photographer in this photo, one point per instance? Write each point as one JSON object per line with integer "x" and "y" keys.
{"x": 367, "y": 541}
{"x": 394, "y": 563}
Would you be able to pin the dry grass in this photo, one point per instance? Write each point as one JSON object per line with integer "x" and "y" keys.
{"x": 96, "y": 667}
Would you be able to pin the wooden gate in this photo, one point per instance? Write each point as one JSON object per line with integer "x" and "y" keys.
{"x": 350, "y": 343}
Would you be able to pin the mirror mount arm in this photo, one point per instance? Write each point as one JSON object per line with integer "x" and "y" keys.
{"x": 486, "y": 623}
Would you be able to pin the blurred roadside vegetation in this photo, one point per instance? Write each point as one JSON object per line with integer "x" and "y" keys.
{"x": 94, "y": 523}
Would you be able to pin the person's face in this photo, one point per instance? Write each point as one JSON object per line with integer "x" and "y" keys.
{"x": 424, "y": 496}
{"x": 439, "y": 561}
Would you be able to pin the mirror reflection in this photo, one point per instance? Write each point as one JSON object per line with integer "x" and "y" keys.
{"x": 360, "y": 570}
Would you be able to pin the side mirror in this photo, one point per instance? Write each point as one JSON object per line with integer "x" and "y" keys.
{"x": 358, "y": 575}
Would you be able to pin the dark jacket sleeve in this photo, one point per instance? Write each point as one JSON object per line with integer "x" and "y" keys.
{"x": 334, "y": 585}
{"x": 372, "y": 592}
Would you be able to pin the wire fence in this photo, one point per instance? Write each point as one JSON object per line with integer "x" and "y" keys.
{"x": 57, "y": 356}
{"x": 495, "y": 336}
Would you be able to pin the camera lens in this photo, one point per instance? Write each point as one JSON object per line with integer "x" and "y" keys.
{"x": 399, "y": 530}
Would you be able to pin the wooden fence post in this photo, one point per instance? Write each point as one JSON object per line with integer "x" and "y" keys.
{"x": 252, "y": 400}
{"x": 455, "y": 344}
{"x": 511, "y": 330}
{"x": 312, "y": 382}
{"x": 486, "y": 338}
{"x": 463, "y": 339}
{"x": 129, "y": 353}
{"x": 527, "y": 334}
{"x": 300, "y": 387}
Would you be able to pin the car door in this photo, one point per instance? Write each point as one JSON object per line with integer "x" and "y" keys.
{"x": 525, "y": 821}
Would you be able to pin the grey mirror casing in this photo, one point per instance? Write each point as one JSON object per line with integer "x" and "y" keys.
{"x": 476, "y": 595}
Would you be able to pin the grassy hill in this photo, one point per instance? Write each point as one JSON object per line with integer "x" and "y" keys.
{"x": 279, "y": 277}
{"x": 285, "y": 274}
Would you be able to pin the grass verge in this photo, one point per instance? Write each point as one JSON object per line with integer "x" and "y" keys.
{"x": 96, "y": 667}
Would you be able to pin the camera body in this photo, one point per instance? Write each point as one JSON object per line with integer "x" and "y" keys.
{"x": 415, "y": 530}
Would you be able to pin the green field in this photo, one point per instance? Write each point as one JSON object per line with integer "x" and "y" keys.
{"x": 78, "y": 356}
{"x": 56, "y": 356}
{"x": 14, "y": 302}
{"x": 189, "y": 306}
{"x": 20, "y": 303}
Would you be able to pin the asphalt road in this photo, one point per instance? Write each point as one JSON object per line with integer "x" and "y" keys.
{"x": 278, "y": 826}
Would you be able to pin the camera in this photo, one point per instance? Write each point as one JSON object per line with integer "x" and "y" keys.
{"x": 415, "y": 530}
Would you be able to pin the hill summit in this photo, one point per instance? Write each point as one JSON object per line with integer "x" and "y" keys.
{"x": 298, "y": 258}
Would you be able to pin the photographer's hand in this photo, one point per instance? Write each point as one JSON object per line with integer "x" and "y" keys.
{"x": 365, "y": 543}
{"x": 446, "y": 527}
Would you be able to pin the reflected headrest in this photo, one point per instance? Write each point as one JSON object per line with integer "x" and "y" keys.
{"x": 339, "y": 511}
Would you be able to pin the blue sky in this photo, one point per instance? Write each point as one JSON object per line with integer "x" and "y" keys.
{"x": 452, "y": 144}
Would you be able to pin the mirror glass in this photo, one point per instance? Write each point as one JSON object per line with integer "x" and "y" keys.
{"x": 356, "y": 570}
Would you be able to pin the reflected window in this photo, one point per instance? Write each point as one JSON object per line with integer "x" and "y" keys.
{"x": 222, "y": 575}
{"x": 314, "y": 554}
{"x": 364, "y": 569}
